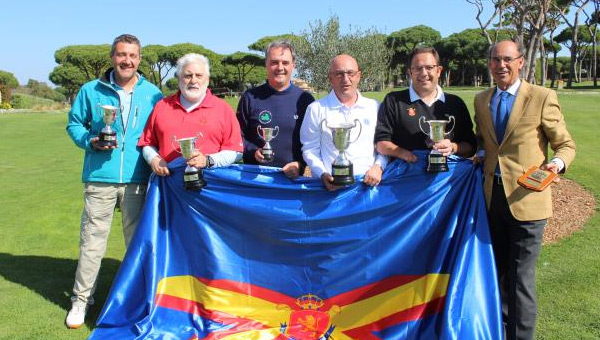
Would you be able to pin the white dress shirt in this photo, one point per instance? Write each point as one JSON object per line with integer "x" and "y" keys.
{"x": 317, "y": 142}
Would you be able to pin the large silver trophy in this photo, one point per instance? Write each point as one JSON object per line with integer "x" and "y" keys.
{"x": 437, "y": 132}
{"x": 267, "y": 134}
{"x": 193, "y": 178}
{"x": 108, "y": 136}
{"x": 342, "y": 169}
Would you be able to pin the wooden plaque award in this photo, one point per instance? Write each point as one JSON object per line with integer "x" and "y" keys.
{"x": 536, "y": 179}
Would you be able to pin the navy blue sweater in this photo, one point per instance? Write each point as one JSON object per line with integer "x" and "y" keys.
{"x": 267, "y": 107}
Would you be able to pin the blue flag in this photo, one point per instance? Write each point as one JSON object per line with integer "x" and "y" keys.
{"x": 255, "y": 255}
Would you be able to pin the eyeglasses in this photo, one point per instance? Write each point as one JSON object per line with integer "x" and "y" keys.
{"x": 349, "y": 73}
{"x": 427, "y": 68}
{"x": 506, "y": 60}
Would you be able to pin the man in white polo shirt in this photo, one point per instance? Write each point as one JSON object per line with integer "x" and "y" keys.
{"x": 343, "y": 105}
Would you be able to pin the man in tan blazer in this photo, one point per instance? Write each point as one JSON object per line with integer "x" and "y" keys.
{"x": 514, "y": 130}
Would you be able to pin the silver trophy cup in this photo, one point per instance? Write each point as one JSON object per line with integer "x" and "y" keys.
{"x": 267, "y": 134}
{"x": 342, "y": 169}
{"x": 437, "y": 132}
{"x": 193, "y": 178}
{"x": 108, "y": 136}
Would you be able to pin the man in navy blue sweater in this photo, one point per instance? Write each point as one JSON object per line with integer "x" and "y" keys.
{"x": 276, "y": 103}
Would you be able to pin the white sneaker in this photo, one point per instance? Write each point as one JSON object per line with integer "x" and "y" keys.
{"x": 76, "y": 316}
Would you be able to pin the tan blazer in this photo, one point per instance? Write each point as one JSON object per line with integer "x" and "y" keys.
{"x": 535, "y": 121}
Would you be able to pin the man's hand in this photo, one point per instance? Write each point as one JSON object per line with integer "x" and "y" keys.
{"x": 390, "y": 149}
{"x": 477, "y": 160}
{"x": 552, "y": 167}
{"x": 95, "y": 141}
{"x": 291, "y": 170}
{"x": 406, "y": 155}
{"x": 373, "y": 175}
{"x": 327, "y": 180}
{"x": 159, "y": 166}
{"x": 445, "y": 147}
{"x": 259, "y": 156}
{"x": 198, "y": 160}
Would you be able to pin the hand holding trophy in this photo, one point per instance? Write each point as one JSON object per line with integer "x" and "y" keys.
{"x": 193, "y": 178}
{"x": 267, "y": 134}
{"x": 342, "y": 169}
{"x": 437, "y": 132}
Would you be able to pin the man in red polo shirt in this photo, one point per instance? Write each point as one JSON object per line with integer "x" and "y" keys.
{"x": 190, "y": 112}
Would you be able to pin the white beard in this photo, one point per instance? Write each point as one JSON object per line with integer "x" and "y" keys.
{"x": 193, "y": 95}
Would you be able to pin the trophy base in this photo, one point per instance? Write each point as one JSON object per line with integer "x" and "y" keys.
{"x": 107, "y": 139}
{"x": 268, "y": 155}
{"x": 193, "y": 180}
{"x": 342, "y": 174}
{"x": 437, "y": 163}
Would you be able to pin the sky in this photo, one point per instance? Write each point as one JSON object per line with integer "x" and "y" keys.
{"x": 31, "y": 31}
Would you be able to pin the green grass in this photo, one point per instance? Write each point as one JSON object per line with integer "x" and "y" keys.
{"x": 41, "y": 203}
{"x": 40, "y": 207}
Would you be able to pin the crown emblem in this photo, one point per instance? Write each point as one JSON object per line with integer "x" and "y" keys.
{"x": 309, "y": 301}
{"x": 411, "y": 111}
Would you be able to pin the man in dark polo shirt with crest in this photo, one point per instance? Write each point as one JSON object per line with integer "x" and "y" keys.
{"x": 398, "y": 132}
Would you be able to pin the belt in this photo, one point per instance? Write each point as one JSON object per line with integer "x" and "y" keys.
{"x": 497, "y": 179}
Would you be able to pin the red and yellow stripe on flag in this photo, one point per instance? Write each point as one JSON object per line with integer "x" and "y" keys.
{"x": 252, "y": 312}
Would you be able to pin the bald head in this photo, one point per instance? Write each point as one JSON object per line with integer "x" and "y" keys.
{"x": 344, "y": 76}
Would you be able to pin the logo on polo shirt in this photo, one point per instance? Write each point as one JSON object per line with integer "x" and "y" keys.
{"x": 265, "y": 116}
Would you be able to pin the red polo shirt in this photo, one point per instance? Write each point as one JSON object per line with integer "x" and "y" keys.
{"x": 214, "y": 119}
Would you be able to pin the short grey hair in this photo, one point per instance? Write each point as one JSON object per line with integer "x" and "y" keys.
{"x": 283, "y": 43}
{"x": 128, "y": 39}
{"x": 520, "y": 47}
{"x": 192, "y": 58}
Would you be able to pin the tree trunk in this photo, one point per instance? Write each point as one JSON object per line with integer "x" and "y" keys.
{"x": 553, "y": 69}
{"x": 574, "y": 43}
{"x": 594, "y": 67}
{"x": 543, "y": 70}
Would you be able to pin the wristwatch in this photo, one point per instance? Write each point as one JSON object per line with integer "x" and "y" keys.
{"x": 209, "y": 162}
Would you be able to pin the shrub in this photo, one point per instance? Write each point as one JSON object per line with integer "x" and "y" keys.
{"x": 25, "y": 101}
{"x": 17, "y": 101}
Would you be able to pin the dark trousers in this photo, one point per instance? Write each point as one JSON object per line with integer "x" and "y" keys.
{"x": 516, "y": 247}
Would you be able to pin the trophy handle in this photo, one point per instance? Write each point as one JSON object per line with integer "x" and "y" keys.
{"x": 422, "y": 119}
{"x": 175, "y": 144}
{"x": 453, "y": 120}
{"x": 258, "y": 131}
{"x": 356, "y": 121}
{"x": 276, "y": 131}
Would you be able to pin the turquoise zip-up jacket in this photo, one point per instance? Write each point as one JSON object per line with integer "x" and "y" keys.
{"x": 124, "y": 164}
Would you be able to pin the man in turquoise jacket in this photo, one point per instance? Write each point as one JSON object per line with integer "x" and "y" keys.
{"x": 112, "y": 174}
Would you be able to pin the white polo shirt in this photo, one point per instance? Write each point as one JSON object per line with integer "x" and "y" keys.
{"x": 317, "y": 143}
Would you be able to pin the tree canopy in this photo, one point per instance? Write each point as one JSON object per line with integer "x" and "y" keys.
{"x": 91, "y": 60}
{"x": 8, "y": 79}
{"x": 323, "y": 41}
{"x": 7, "y": 82}
{"x": 244, "y": 64}
{"x": 381, "y": 57}
{"x": 402, "y": 42}
{"x": 261, "y": 44}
